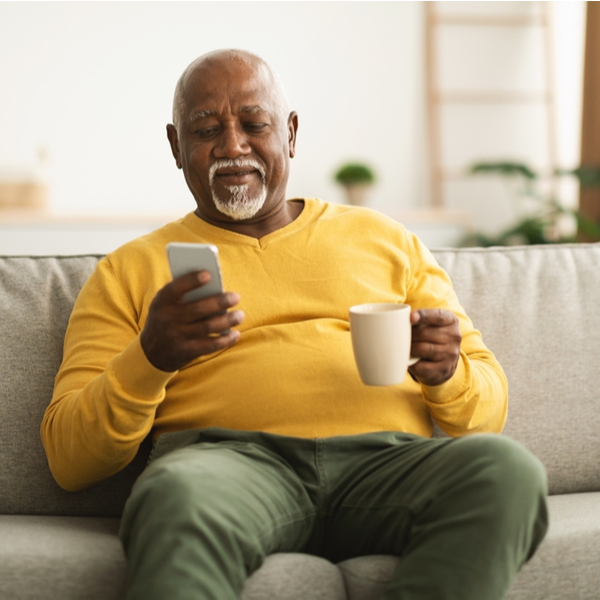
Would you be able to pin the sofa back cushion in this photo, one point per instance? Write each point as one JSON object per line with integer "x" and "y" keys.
{"x": 36, "y": 298}
{"x": 538, "y": 308}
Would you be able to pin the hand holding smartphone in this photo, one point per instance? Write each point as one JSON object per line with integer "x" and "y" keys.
{"x": 174, "y": 335}
{"x": 186, "y": 258}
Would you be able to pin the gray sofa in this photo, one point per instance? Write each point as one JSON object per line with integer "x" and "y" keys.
{"x": 539, "y": 311}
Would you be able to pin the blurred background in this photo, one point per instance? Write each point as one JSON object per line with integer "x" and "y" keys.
{"x": 413, "y": 93}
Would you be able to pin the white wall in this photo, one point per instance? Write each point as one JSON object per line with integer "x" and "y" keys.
{"x": 93, "y": 83}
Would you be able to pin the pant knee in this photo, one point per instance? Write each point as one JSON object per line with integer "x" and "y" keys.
{"x": 510, "y": 482}
{"x": 508, "y": 465}
{"x": 168, "y": 498}
{"x": 174, "y": 487}
{"x": 180, "y": 538}
{"x": 215, "y": 497}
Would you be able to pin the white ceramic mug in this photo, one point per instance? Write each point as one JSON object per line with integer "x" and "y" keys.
{"x": 381, "y": 337}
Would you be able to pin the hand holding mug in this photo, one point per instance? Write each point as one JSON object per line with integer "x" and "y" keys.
{"x": 436, "y": 342}
{"x": 388, "y": 339}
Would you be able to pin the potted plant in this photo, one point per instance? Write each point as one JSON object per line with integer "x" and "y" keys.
{"x": 356, "y": 178}
{"x": 542, "y": 224}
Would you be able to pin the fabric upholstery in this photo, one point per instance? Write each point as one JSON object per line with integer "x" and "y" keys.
{"x": 295, "y": 577}
{"x": 74, "y": 558}
{"x": 36, "y": 298}
{"x": 39, "y": 293}
{"x": 67, "y": 558}
{"x": 537, "y": 308}
{"x": 567, "y": 564}
{"x": 366, "y": 576}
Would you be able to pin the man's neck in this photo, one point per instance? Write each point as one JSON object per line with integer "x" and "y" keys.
{"x": 281, "y": 215}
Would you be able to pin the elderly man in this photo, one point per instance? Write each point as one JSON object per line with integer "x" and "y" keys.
{"x": 265, "y": 438}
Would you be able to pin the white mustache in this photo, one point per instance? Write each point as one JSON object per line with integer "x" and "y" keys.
{"x": 234, "y": 162}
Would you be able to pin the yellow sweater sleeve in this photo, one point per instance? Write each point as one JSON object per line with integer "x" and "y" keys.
{"x": 475, "y": 398}
{"x": 106, "y": 392}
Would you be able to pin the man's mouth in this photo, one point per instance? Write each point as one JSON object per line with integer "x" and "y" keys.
{"x": 236, "y": 176}
{"x": 236, "y": 172}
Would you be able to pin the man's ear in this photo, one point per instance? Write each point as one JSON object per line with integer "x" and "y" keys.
{"x": 174, "y": 142}
{"x": 292, "y": 131}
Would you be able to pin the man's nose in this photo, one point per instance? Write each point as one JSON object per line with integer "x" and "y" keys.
{"x": 232, "y": 143}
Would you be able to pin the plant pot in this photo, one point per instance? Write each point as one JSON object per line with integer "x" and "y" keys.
{"x": 357, "y": 193}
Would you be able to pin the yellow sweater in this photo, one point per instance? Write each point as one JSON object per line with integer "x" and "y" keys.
{"x": 292, "y": 371}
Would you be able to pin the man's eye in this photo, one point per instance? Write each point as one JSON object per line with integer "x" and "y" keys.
{"x": 255, "y": 127}
{"x": 206, "y": 132}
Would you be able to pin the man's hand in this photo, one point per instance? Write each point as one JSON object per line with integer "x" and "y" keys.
{"x": 436, "y": 341}
{"x": 177, "y": 332}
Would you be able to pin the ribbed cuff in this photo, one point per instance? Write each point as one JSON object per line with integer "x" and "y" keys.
{"x": 451, "y": 389}
{"x": 136, "y": 375}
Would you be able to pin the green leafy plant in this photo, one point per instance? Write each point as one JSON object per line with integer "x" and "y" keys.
{"x": 353, "y": 173}
{"x": 542, "y": 224}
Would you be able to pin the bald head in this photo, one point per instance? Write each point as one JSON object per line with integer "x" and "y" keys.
{"x": 225, "y": 59}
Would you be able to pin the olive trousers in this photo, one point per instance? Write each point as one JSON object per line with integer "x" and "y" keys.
{"x": 463, "y": 514}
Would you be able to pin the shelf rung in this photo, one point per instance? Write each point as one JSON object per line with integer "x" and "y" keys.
{"x": 493, "y": 97}
{"x": 489, "y": 20}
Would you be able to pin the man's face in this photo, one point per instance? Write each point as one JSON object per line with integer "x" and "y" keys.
{"x": 234, "y": 143}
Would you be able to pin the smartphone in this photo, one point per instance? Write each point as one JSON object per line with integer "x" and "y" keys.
{"x": 185, "y": 258}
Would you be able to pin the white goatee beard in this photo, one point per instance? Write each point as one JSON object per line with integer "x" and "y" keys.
{"x": 239, "y": 206}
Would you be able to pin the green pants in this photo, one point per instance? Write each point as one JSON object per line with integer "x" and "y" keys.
{"x": 463, "y": 514}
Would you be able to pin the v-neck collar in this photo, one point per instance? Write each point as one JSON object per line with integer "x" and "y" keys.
{"x": 218, "y": 235}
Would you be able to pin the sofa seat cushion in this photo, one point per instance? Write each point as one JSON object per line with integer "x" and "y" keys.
{"x": 567, "y": 564}
{"x": 366, "y": 577}
{"x": 69, "y": 558}
{"x": 300, "y": 576}
{"x": 295, "y": 577}
{"x": 62, "y": 558}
